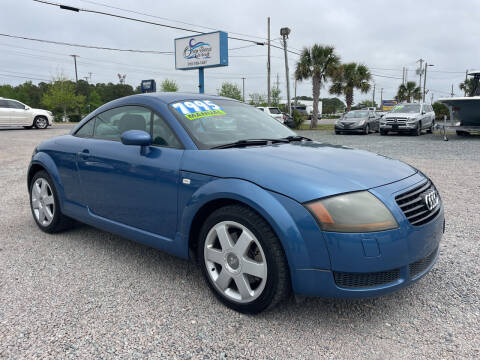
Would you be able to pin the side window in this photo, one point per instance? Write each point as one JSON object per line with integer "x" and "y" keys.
{"x": 15, "y": 104}
{"x": 3, "y": 104}
{"x": 87, "y": 129}
{"x": 162, "y": 135}
{"x": 111, "y": 124}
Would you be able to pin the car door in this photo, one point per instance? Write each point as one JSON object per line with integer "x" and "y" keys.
{"x": 18, "y": 113}
{"x": 128, "y": 184}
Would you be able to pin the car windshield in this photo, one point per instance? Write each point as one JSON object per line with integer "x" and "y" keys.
{"x": 275, "y": 111}
{"x": 409, "y": 108}
{"x": 356, "y": 114}
{"x": 214, "y": 123}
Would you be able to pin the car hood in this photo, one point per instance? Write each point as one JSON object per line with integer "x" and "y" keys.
{"x": 353, "y": 119}
{"x": 301, "y": 170}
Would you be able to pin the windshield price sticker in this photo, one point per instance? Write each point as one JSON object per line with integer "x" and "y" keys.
{"x": 196, "y": 109}
{"x": 398, "y": 107}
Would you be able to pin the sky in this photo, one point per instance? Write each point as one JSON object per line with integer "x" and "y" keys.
{"x": 384, "y": 35}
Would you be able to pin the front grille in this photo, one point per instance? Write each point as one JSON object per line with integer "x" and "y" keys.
{"x": 414, "y": 206}
{"x": 421, "y": 265}
{"x": 399, "y": 121}
{"x": 363, "y": 280}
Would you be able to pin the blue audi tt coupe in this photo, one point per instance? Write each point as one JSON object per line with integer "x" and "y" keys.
{"x": 263, "y": 211}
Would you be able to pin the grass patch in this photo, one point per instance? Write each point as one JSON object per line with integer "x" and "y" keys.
{"x": 324, "y": 127}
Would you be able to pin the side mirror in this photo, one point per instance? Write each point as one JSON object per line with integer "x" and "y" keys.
{"x": 423, "y": 112}
{"x": 26, "y": 107}
{"x": 136, "y": 137}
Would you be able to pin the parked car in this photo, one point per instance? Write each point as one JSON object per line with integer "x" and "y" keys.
{"x": 302, "y": 109}
{"x": 161, "y": 169}
{"x": 288, "y": 120}
{"x": 15, "y": 113}
{"x": 357, "y": 121}
{"x": 409, "y": 118}
{"x": 274, "y": 112}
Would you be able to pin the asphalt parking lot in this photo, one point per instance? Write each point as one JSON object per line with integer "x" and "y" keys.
{"x": 89, "y": 294}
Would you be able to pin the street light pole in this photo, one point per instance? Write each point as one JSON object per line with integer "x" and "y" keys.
{"x": 268, "y": 64}
{"x": 285, "y": 32}
{"x": 425, "y": 80}
{"x": 243, "y": 88}
{"x": 76, "y": 73}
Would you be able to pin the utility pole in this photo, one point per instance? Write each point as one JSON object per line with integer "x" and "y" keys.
{"x": 425, "y": 80}
{"x": 285, "y": 32}
{"x": 278, "y": 82}
{"x": 452, "y": 91}
{"x": 268, "y": 63}
{"x": 373, "y": 95}
{"x": 90, "y": 76}
{"x": 295, "y": 92}
{"x": 243, "y": 88}
{"x": 420, "y": 71}
{"x": 431, "y": 99}
{"x": 403, "y": 76}
{"x": 88, "y": 92}
{"x": 381, "y": 98}
{"x": 465, "y": 89}
{"x": 76, "y": 73}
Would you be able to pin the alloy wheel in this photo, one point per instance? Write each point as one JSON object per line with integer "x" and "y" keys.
{"x": 41, "y": 123}
{"x": 43, "y": 202}
{"x": 235, "y": 262}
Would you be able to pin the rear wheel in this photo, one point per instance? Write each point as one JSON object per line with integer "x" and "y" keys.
{"x": 44, "y": 204}
{"x": 41, "y": 122}
{"x": 242, "y": 260}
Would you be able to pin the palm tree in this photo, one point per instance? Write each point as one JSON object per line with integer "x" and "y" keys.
{"x": 408, "y": 92}
{"x": 349, "y": 77}
{"x": 318, "y": 63}
{"x": 467, "y": 86}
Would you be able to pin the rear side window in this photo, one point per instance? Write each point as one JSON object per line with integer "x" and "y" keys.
{"x": 15, "y": 104}
{"x": 3, "y": 104}
{"x": 111, "y": 124}
{"x": 87, "y": 129}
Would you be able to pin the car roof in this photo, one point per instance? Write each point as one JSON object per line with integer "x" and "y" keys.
{"x": 169, "y": 97}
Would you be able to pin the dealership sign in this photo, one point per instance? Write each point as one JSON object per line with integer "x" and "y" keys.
{"x": 201, "y": 51}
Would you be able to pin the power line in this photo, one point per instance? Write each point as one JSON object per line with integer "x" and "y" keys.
{"x": 85, "y": 46}
{"x": 388, "y": 77}
{"x": 75, "y": 9}
{"x": 164, "y": 18}
{"x": 22, "y": 77}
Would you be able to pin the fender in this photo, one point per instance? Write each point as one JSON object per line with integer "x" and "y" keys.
{"x": 258, "y": 199}
{"x": 45, "y": 160}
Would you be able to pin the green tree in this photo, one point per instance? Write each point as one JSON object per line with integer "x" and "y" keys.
{"x": 366, "y": 103}
{"x": 275, "y": 95}
{"x": 350, "y": 77}
{"x": 257, "y": 99}
{"x": 317, "y": 63}
{"x": 169, "y": 86}
{"x": 332, "y": 105}
{"x": 467, "y": 86}
{"x": 61, "y": 96}
{"x": 409, "y": 92}
{"x": 231, "y": 90}
{"x": 440, "y": 110}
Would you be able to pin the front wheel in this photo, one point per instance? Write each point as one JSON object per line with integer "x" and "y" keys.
{"x": 418, "y": 130}
{"x": 44, "y": 204}
{"x": 430, "y": 129}
{"x": 366, "y": 130}
{"x": 41, "y": 122}
{"x": 242, "y": 260}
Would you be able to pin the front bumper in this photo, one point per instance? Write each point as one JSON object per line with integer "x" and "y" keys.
{"x": 351, "y": 128}
{"x": 372, "y": 264}
{"x": 399, "y": 128}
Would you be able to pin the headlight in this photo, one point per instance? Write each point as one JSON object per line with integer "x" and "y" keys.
{"x": 361, "y": 122}
{"x": 356, "y": 212}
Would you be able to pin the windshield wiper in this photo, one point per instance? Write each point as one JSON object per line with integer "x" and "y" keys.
{"x": 250, "y": 142}
{"x": 296, "y": 138}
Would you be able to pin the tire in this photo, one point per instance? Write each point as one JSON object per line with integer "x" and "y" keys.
{"x": 44, "y": 204}
{"x": 430, "y": 129}
{"x": 418, "y": 130}
{"x": 41, "y": 122}
{"x": 224, "y": 264}
{"x": 383, "y": 132}
{"x": 366, "y": 130}
{"x": 462, "y": 133}
{"x": 337, "y": 132}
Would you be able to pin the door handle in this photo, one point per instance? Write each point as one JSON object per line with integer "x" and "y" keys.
{"x": 85, "y": 154}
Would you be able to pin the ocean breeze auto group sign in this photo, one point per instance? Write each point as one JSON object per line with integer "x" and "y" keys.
{"x": 201, "y": 51}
